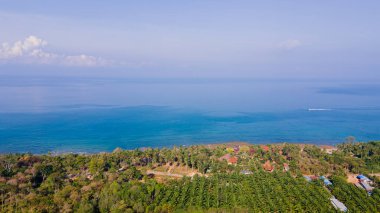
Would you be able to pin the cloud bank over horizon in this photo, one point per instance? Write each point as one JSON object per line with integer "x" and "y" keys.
{"x": 31, "y": 50}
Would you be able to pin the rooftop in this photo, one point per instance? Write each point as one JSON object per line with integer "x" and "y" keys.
{"x": 338, "y": 205}
{"x": 268, "y": 166}
{"x": 328, "y": 147}
{"x": 233, "y": 160}
{"x": 264, "y": 147}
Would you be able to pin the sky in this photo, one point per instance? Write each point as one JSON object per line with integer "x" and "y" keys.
{"x": 216, "y": 38}
{"x": 199, "y": 40}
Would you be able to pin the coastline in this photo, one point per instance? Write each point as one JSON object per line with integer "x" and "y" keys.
{"x": 230, "y": 144}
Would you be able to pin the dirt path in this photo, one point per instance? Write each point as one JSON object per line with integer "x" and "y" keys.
{"x": 170, "y": 169}
{"x": 191, "y": 174}
{"x": 163, "y": 173}
{"x": 351, "y": 178}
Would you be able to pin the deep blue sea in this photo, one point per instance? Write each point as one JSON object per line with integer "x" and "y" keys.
{"x": 96, "y": 129}
{"x": 83, "y": 114}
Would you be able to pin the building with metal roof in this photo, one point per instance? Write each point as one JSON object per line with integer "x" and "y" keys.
{"x": 366, "y": 186}
{"x": 326, "y": 181}
{"x": 363, "y": 178}
{"x": 307, "y": 178}
{"x": 338, "y": 205}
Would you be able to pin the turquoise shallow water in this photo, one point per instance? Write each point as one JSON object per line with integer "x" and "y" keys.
{"x": 103, "y": 128}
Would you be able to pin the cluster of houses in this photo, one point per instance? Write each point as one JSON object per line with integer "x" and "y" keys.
{"x": 229, "y": 158}
{"x": 267, "y": 166}
{"x": 232, "y": 159}
{"x": 335, "y": 202}
{"x": 364, "y": 183}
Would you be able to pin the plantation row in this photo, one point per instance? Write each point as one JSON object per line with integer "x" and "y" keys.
{"x": 260, "y": 192}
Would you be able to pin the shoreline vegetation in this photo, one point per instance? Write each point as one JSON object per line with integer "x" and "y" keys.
{"x": 206, "y": 145}
{"x": 234, "y": 176}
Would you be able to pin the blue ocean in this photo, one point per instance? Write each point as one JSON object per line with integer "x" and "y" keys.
{"x": 104, "y": 129}
{"x": 52, "y": 114}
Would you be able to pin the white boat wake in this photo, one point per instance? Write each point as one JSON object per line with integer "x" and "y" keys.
{"x": 319, "y": 109}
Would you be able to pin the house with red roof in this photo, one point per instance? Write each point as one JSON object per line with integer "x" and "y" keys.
{"x": 229, "y": 158}
{"x": 267, "y": 166}
{"x": 286, "y": 167}
{"x": 252, "y": 151}
{"x": 233, "y": 160}
{"x": 265, "y": 148}
{"x": 225, "y": 157}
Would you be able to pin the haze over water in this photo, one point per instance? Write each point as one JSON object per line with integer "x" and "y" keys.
{"x": 225, "y": 95}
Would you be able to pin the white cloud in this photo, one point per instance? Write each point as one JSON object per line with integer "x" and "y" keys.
{"x": 290, "y": 44}
{"x": 85, "y": 60}
{"x": 31, "y": 50}
{"x": 20, "y": 48}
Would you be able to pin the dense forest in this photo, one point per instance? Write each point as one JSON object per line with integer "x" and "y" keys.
{"x": 235, "y": 177}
